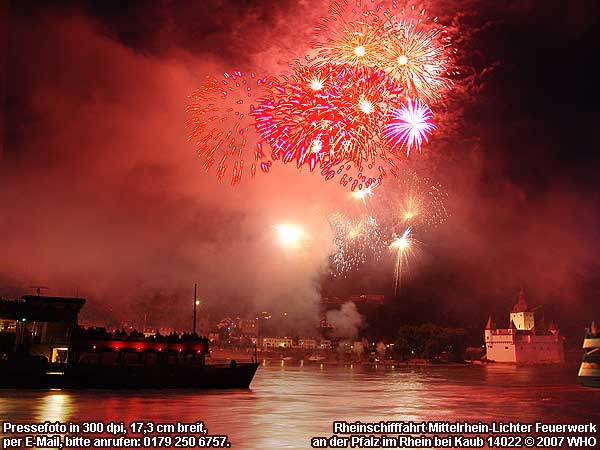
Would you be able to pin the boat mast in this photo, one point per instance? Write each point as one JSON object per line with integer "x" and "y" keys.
{"x": 195, "y": 304}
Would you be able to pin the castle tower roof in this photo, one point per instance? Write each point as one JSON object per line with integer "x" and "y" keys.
{"x": 521, "y": 305}
{"x": 490, "y": 324}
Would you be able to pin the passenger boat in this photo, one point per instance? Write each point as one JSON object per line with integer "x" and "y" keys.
{"x": 589, "y": 371}
{"x": 41, "y": 346}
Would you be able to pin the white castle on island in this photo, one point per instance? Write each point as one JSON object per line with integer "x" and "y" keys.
{"x": 523, "y": 342}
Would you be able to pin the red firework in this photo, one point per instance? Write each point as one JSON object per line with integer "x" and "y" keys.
{"x": 330, "y": 116}
{"x": 352, "y": 113}
{"x": 222, "y": 125}
{"x": 365, "y": 176}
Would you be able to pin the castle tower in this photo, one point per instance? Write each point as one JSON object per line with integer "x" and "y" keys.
{"x": 520, "y": 316}
{"x": 488, "y": 329}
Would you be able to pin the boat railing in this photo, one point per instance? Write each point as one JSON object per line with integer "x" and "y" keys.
{"x": 197, "y": 346}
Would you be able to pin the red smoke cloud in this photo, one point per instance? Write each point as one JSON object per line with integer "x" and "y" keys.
{"x": 100, "y": 194}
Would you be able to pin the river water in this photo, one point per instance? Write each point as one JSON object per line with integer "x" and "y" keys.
{"x": 288, "y": 404}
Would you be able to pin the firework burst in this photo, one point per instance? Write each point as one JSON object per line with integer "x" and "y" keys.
{"x": 222, "y": 126}
{"x": 295, "y": 116}
{"x": 331, "y": 117}
{"x": 350, "y": 33}
{"x": 358, "y": 43}
{"x": 409, "y": 127}
{"x": 418, "y": 58}
{"x": 406, "y": 44}
{"x": 411, "y": 200}
{"x": 357, "y": 242}
{"x": 351, "y": 113}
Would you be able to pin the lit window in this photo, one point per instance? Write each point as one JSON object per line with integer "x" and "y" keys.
{"x": 60, "y": 354}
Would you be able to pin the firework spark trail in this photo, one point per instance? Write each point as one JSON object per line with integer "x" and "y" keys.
{"x": 403, "y": 247}
{"x": 222, "y": 126}
{"x": 365, "y": 176}
{"x": 357, "y": 242}
{"x": 362, "y": 194}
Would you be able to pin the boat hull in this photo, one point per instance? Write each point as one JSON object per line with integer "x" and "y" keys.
{"x": 590, "y": 381}
{"x": 89, "y": 376}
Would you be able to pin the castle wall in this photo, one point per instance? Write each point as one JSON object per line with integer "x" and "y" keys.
{"x": 539, "y": 349}
{"x": 500, "y": 347}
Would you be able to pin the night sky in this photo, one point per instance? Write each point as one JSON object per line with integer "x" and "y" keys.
{"x": 101, "y": 195}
